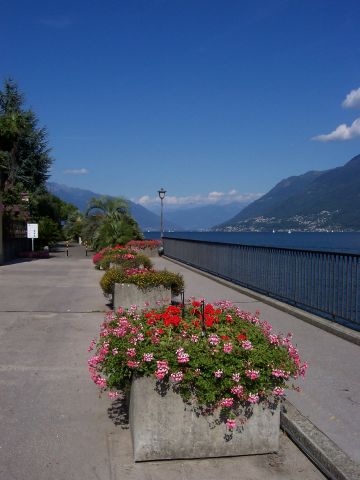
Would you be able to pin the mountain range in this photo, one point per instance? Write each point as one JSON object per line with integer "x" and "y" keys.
{"x": 314, "y": 201}
{"x": 192, "y": 218}
{"x": 81, "y": 197}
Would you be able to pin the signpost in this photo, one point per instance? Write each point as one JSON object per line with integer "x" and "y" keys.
{"x": 32, "y": 232}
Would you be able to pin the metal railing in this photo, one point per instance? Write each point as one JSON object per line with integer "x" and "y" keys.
{"x": 324, "y": 283}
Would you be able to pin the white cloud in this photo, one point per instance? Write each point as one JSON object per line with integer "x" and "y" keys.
{"x": 352, "y": 99}
{"x": 212, "y": 198}
{"x": 76, "y": 171}
{"x": 342, "y": 132}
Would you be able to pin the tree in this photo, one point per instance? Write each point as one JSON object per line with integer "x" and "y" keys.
{"x": 24, "y": 153}
{"x": 109, "y": 223}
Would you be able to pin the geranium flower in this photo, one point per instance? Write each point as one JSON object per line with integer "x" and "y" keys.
{"x": 252, "y": 374}
{"x": 230, "y": 423}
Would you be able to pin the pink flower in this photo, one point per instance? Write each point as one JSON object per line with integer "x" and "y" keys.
{"x": 101, "y": 382}
{"x": 133, "y": 364}
{"x": 162, "y": 364}
{"x": 227, "y": 402}
{"x": 247, "y": 345}
{"x": 177, "y": 377}
{"x": 218, "y": 373}
{"x": 238, "y": 390}
{"x": 131, "y": 352}
{"x": 303, "y": 369}
{"x": 194, "y": 338}
{"x": 214, "y": 340}
{"x": 236, "y": 377}
{"x": 228, "y": 347}
{"x": 148, "y": 357}
{"x": 160, "y": 374}
{"x": 278, "y": 391}
{"x": 277, "y": 372}
{"x": 253, "y": 398}
{"x": 183, "y": 357}
{"x": 230, "y": 423}
{"x": 114, "y": 395}
{"x": 274, "y": 339}
{"x": 252, "y": 374}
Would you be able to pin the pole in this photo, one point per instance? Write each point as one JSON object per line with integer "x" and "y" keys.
{"x": 32, "y": 244}
{"x": 161, "y": 220}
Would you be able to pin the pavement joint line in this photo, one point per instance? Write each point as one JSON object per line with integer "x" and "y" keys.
{"x": 327, "y": 456}
{"x": 331, "y": 327}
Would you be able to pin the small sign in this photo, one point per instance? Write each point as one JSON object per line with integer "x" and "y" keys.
{"x": 32, "y": 230}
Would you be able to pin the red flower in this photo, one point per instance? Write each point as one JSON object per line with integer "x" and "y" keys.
{"x": 241, "y": 337}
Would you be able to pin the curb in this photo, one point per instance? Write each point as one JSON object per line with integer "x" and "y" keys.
{"x": 331, "y": 327}
{"x": 323, "y": 452}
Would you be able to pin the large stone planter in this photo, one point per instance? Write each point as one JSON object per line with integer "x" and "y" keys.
{"x": 126, "y": 295}
{"x": 164, "y": 427}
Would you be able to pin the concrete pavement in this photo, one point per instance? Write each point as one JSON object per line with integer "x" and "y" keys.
{"x": 54, "y": 426}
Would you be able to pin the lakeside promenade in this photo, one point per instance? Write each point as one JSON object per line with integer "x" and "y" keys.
{"x": 53, "y": 423}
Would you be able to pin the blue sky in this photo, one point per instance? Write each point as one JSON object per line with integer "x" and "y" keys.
{"x": 212, "y": 100}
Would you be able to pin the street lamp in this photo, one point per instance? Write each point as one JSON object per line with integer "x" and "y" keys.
{"x": 162, "y": 194}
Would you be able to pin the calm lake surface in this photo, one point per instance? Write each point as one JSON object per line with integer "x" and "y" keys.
{"x": 343, "y": 242}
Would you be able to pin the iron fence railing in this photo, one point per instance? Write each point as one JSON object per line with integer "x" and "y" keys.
{"x": 324, "y": 283}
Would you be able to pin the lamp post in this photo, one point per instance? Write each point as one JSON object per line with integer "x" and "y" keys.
{"x": 162, "y": 194}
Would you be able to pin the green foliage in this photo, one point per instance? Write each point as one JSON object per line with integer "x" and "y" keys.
{"x": 49, "y": 232}
{"x": 109, "y": 223}
{"x": 75, "y": 222}
{"x": 145, "y": 281}
{"x": 24, "y": 153}
{"x": 138, "y": 261}
{"x": 215, "y": 355}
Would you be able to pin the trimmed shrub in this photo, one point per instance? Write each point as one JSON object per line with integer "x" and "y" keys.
{"x": 146, "y": 280}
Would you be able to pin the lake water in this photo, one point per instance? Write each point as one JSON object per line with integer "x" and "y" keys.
{"x": 344, "y": 242}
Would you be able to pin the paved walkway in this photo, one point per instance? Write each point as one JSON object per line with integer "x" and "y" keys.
{"x": 330, "y": 395}
{"x": 54, "y": 426}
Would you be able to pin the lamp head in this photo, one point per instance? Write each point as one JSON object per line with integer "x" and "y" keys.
{"x": 162, "y": 193}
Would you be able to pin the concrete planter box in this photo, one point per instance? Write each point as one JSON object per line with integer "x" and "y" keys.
{"x": 164, "y": 427}
{"x": 126, "y": 295}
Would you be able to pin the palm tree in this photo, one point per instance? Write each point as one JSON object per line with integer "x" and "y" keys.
{"x": 109, "y": 223}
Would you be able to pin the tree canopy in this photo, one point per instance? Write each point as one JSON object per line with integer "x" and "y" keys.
{"x": 24, "y": 152}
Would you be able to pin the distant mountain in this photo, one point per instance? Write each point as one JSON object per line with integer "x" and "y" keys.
{"x": 80, "y": 198}
{"x": 315, "y": 201}
{"x": 204, "y": 217}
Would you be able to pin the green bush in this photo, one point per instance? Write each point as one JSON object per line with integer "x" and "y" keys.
{"x": 145, "y": 281}
{"x": 138, "y": 261}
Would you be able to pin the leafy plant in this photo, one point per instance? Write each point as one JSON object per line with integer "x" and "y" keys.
{"x": 215, "y": 355}
{"x": 109, "y": 223}
{"x": 146, "y": 280}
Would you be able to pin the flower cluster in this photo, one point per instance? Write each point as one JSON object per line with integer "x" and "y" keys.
{"x": 122, "y": 257}
{"x": 143, "y": 244}
{"x": 215, "y": 354}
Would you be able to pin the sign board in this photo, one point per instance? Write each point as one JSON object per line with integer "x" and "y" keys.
{"x": 32, "y": 230}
